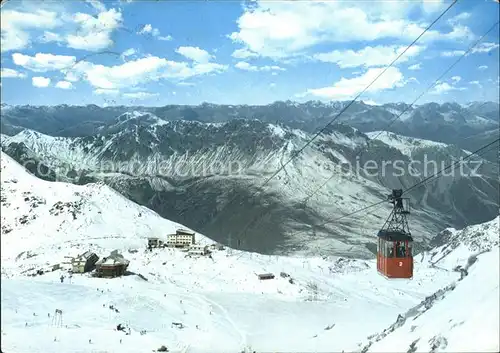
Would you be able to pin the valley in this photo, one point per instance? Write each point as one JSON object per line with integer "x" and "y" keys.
{"x": 208, "y": 176}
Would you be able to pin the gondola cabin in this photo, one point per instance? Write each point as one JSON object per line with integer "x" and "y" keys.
{"x": 394, "y": 254}
{"x": 394, "y": 247}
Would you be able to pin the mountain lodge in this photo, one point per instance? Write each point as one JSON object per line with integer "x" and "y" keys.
{"x": 112, "y": 266}
{"x": 181, "y": 239}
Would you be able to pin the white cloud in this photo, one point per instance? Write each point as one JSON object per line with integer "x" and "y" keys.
{"x": 347, "y": 88}
{"x": 459, "y": 18}
{"x": 196, "y": 69}
{"x": 167, "y": 37}
{"x": 71, "y": 76}
{"x": 16, "y": 26}
{"x": 243, "y": 54}
{"x": 127, "y": 53}
{"x": 415, "y": 67}
{"x": 135, "y": 72}
{"x": 476, "y": 83}
{"x": 451, "y": 53}
{"x": 485, "y": 47}
{"x": 195, "y": 54}
{"x": 42, "y": 62}
{"x": 79, "y": 30}
{"x": 108, "y": 92}
{"x": 64, "y": 85}
{"x": 10, "y": 73}
{"x": 242, "y": 65}
{"x": 128, "y": 74}
{"x": 94, "y": 32}
{"x": 412, "y": 79}
{"x": 272, "y": 85}
{"x": 444, "y": 88}
{"x": 369, "y": 56}
{"x": 97, "y": 5}
{"x": 39, "y": 81}
{"x": 48, "y": 37}
{"x": 245, "y": 66}
{"x": 140, "y": 95}
{"x": 148, "y": 29}
{"x": 480, "y": 48}
{"x": 456, "y": 79}
{"x": 284, "y": 29}
{"x": 482, "y": 67}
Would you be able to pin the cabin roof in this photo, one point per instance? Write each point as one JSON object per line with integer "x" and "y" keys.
{"x": 113, "y": 259}
{"x": 85, "y": 256}
{"x": 184, "y": 232}
{"x": 392, "y": 235}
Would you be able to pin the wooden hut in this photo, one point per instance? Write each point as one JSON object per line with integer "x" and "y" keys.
{"x": 84, "y": 262}
{"x": 112, "y": 266}
{"x": 265, "y": 276}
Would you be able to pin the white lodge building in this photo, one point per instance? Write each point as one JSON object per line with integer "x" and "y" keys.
{"x": 197, "y": 249}
{"x": 181, "y": 239}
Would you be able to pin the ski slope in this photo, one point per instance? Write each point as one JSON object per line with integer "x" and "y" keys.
{"x": 466, "y": 316}
{"x": 333, "y": 304}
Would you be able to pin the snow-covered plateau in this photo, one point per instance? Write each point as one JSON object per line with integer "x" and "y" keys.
{"x": 325, "y": 304}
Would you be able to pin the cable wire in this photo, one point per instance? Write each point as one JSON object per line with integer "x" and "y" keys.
{"x": 420, "y": 183}
{"x": 437, "y": 174}
{"x": 435, "y": 82}
{"x": 295, "y": 155}
{"x": 359, "y": 94}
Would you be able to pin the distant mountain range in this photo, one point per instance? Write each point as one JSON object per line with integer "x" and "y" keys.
{"x": 181, "y": 169}
{"x": 464, "y": 125}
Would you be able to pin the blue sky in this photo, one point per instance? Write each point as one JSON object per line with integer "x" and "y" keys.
{"x": 230, "y": 52}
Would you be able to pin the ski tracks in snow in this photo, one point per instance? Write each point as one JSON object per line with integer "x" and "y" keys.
{"x": 228, "y": 318}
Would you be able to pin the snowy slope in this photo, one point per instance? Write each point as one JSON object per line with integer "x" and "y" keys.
{"x": 36, "y": 212}
{"x": 464, "y": 315}
{"x": 405, "y": 144}
{"x": 332, "y": 304}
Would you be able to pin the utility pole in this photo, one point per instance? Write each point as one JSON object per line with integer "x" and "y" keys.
{"x": 229, "y": 243}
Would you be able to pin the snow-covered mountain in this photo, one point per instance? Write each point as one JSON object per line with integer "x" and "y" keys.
{"x": 188, "y": 171}
{"x": 448, "y": 122}
{"x": 325, "y": 304}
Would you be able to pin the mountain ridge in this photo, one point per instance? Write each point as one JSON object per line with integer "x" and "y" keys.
{"x": 449, "y": 123}
{"x": 184, "y": 171}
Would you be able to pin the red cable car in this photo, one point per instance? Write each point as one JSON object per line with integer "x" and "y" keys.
{"x": 394, "y": 248}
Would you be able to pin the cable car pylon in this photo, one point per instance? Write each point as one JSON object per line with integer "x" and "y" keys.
{"x": 395, "y": 243}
